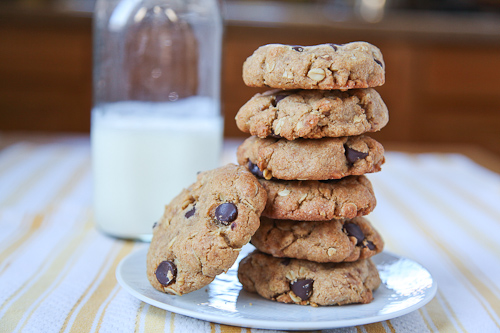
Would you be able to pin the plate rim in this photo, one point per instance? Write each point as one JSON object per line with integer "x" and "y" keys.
{"x": 273, "y": 324}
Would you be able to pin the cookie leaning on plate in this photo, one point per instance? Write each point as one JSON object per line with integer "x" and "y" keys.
{"x": 313, "y": 114}
{"x": 325, "y": 66}
{"x": 304, "y": 159}
{"x": 313, "y": 200}
{"x": 203, "y": 229}
{"x": 308, "y": 283}
{"x": 325, "y": 241}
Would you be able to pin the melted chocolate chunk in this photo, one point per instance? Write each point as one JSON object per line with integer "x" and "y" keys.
{"x": 329, "y": 181}
{"x": 302, "y": 288}
{"x": 285, "y": 261}
{"x": 353, "y": 230}
{"x": 353, "y": 155}
{"x": 334, "y": 46}
{"x": 379, "y": 62}
{"x": 369, "y": 245}
{"x": 298, "y": 48}
{"x": 166, "y": 272}
{"x": 226, "y": 213}
{"x": 254, "y": 169}
{"x": 275, "y": 136}
{"x": 279, "y": 97}
{"x": 190, "y": 212}
{"x": 233, "y": 225}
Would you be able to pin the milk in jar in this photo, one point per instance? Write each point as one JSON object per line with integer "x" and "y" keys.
{"x": 143, "y": 155}
{"x": 156, "y": 115}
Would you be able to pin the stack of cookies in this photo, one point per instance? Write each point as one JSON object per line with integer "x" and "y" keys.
{"x": 310, "y": 152}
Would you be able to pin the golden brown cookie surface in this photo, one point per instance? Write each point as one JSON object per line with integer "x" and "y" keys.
{"x": 325, "y": 66}
{"x": 326, "y": 241}
{"x": 203, "y": 229}
{"x": 313, "y": 114}
{"x": 313, "y": 200}
{"x": 303, "y": 159}
{"x": 308, "y": 283}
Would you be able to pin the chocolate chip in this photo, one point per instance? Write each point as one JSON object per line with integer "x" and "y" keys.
{"x": 233, "y": 225}
{"x": 166, "y": 272}
{"x": 285, "y": 261}
{"x": 279, "y": 97}
{"x": 302, "y": 288}
{"x": 329, "y": 181}
{"x": 379, "y": 62}
{"x": 226, "y": 212}
{"x": 155, "y": 224}
{"x": 273, "y": 135}
{"x": 353, "y": 230}
{"x": 190, "y": 212}
{"x": 298, "y": 48}
{"x": 255, "y": 170}
{"x": 353, "y": 155}
{"x": 369, "y": 245}
{"x": 335, "y": 46}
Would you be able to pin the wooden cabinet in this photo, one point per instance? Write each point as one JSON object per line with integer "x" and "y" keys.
{"x": 439, "y": 89}
{"x": 45, "y": 74}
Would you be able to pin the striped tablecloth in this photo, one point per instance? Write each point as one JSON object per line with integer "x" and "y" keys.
{"x": 57, "y": 273}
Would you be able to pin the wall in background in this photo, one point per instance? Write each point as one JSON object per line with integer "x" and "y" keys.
{"x": 441, "y": 80}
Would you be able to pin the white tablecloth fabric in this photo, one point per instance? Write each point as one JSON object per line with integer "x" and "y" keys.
{"x": 57, "y": 273}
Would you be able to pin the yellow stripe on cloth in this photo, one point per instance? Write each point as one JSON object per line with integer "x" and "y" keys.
{"x": 469, "y": 229}
{"x": 229, "y": 329}
{"x": 375, "y": 328}
{"x": 489, "y": 242}
{"x": 493, "y": 303}
{"x": 138, "y": 317}
{"x": 87, "y": 313}
{"x": 437, "y": 315}
{"x": 29, "y": 181}
{"x": 21, "y": 310}
{"x": 88, "y": 291}
{"x": 155, "y": 320}
{"x": 425, "y": 317}
{"x": 172, "y": 322}
{"x": 389, "y": 326}
{"x": 99, "y": 318}
{"x": 34, "y": 226}
{"x": 75, "y": 180}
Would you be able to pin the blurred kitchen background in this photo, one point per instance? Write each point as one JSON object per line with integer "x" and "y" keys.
{"x": 442, "y": 77}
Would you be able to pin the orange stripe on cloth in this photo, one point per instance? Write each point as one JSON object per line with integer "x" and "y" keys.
{"x": 87, "y": 313}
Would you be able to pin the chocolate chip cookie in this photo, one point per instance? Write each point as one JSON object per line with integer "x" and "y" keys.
{"x": 303, "y": 159}
{"x": 203, "y": 229}
{"x": 313, "y": 200}
{"x": 326, "y": 241}
{"x": 325, "y": 66}
{"x": 308, "y": 283}
{"x": 313, "y": 114}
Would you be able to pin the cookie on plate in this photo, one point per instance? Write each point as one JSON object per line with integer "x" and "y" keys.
{"x": 324, "y": 67}
{"x": 308, "y": 283}
{"x": 326, "y": 241}
{"x": 313, "y": 114}
{"x": 304, "y": 159}
{"x": 313, "y": 200}
{"x": 203, "y": 229}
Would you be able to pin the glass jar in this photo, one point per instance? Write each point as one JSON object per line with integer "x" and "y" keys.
{"x": 156, "y": 117}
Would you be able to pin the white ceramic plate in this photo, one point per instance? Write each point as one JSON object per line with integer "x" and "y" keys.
{"x": 406, "y": 286}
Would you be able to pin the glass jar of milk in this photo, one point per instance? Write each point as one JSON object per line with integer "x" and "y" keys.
{"x": 156, "y": 119}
